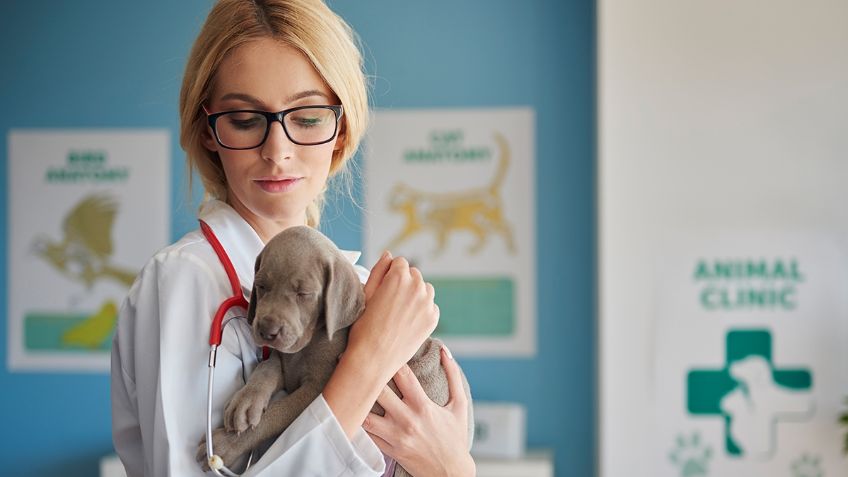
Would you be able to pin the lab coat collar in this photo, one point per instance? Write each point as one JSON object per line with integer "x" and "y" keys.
{"x": 240, "y": 241}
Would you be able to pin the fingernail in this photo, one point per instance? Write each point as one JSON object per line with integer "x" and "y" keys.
{"x": 447, "y": 352}
{"x": 388, "y": 255}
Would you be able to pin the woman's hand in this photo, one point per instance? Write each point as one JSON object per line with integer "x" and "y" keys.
{"x": 399, "y": 315}
{"x": 423, "y": 437}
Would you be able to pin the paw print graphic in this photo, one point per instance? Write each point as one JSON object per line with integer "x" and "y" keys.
{"x": 807, "y": 466}
{"x": 691, "y": 456}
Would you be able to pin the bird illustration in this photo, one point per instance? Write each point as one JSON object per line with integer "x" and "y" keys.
{"x": 93, "y": 331}
{"x": 84, "y": 253}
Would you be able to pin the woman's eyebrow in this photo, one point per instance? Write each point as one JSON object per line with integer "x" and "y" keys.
{"x": 242, "y": 97}
{"x": 306, "y": 94}
{"x": 259, "y": 103}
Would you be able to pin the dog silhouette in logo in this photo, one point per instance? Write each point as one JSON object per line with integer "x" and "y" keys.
{"x": 479, "y": 211}
{"x": 758, "y": 403}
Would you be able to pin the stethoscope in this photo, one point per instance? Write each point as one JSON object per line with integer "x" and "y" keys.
{"x": 215, "y": 335}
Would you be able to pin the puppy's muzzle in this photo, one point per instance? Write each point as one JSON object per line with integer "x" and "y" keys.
{"x": 275, "y": 333}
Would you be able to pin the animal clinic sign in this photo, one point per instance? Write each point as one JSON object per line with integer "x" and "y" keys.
{"x": 452, "y": 190}
{"x": 748, "y": 283}
{"x": 86, "y": 210}
{"x": 748, "y": 355}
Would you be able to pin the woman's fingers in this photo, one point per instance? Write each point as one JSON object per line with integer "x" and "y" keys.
{"x": 378, "y": 271}
{"x": 425, "y": 439}
{"x": 410, "y": 387}
{"x": 415, "y": 273}
{"x": 380, "y": 427}
{"x": 457, "y": 400}
{"x": 384, "y": 446}
{"x": 390, "y": 401}
{"x": 399, "y": 268}
{"x": 399, "y": 314}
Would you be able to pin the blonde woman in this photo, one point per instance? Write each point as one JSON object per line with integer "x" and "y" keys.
{"x": 273, "y": 103}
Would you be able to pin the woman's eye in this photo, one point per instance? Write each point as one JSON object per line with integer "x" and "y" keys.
{"x": 304, "y": 294}
{"x": 245, "y": 124}
{"x": 307, "y": 122}
{"x": 244, "y": 121}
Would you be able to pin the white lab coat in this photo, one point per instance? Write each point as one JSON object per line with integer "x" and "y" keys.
{"x": 159, "y": 366}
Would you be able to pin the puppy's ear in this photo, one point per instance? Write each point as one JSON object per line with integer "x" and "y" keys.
{"x": 251, "y": 306}
{"x": 344, "y": 297}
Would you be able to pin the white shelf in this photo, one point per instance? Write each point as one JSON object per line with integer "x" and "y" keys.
{"x": 534, "y": 464}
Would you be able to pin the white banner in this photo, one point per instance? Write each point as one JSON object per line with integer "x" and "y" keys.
{"x": 453, "y": 191}
{"x": 723, "y": 237}
{"x": 86, "y": 211}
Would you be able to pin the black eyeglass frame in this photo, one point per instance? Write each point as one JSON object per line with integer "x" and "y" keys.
{"x": 270, "y": 117}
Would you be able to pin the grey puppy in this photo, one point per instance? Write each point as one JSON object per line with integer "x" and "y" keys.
{"x": 305, "y": 296}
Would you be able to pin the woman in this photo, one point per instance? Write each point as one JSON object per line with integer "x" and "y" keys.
{"x": 264, "y": 172}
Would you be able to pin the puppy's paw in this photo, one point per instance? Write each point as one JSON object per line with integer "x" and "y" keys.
{"x": 245, "y": 409}
{"x": 226, "y": 445}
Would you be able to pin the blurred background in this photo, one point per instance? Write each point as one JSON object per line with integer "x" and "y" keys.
{"x": 687, "y": 163}
{"x": 114, "y": 65}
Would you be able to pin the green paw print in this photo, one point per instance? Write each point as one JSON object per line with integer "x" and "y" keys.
{"x": 807, "y": 466}
{"x": 691, "y": 455}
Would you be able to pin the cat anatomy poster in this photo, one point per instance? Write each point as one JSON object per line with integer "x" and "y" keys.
{"x": 453, "y": 192}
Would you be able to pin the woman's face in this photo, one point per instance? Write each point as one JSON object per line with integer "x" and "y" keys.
{"x": 271, "y": 185}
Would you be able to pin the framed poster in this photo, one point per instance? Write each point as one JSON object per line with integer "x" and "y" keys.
{"x": 87, "y": 208}
{"x": 453, "y": 192}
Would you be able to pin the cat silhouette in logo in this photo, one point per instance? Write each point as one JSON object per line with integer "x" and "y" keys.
{"x": 479, "y": 211}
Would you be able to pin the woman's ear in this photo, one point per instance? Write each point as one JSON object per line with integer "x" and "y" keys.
{"x": 340, "y": 137}
{"x": 209, "y": 141}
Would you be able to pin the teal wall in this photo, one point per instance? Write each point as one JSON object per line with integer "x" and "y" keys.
{"x": 107, "y": 64}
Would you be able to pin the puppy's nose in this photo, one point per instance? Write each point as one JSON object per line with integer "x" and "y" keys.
{"x": 268, "y": 330}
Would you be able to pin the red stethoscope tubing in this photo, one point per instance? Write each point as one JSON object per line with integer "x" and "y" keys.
{"x": 215, "y": 333}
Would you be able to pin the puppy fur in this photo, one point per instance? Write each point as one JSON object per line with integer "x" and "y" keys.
{"x": 305, "y": 297}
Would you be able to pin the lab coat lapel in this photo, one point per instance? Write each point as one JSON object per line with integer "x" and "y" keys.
{"x": 238, "y": 238}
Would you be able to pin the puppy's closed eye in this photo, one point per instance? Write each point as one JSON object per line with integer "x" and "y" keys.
{"x": 305, "y": 295}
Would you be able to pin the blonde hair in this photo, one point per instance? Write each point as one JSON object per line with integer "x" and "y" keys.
{"x": 306, "y": 25}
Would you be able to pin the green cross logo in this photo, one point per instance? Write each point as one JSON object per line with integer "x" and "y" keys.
{"x": 749, "y": 394}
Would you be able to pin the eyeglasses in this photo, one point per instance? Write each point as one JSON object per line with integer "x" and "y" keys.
{"x": 248, "y": 129}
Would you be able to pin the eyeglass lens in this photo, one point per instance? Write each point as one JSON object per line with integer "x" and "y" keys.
{"x": 242, "y": 129}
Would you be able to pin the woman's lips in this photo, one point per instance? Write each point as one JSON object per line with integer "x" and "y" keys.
{"x": 278, "y": 185}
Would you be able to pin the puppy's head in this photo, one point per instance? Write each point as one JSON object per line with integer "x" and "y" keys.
{"x": 302, "y": 284}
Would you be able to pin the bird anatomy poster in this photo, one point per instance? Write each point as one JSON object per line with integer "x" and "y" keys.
{"x": 453, "y": 192}
{"x": 86, "y": 210}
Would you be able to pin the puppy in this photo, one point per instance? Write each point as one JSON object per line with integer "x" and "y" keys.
{"x": 305, "y": 297}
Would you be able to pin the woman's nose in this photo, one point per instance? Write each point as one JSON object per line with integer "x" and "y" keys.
{"x": 277, "y": 145}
